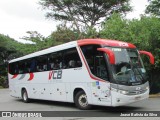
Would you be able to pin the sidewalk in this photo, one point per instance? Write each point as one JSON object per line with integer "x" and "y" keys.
{"x": 154, "y": 95}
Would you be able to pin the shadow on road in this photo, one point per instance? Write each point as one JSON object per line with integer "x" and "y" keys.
{"x": 50, "y": 103}
{"x": 69, "y": 109}
{"x": 94, "y": 108}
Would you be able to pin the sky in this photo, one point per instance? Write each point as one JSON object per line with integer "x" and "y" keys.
{"x": 19, "y": 16}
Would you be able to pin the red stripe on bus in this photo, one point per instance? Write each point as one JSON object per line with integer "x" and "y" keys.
{"x": 92, "y": 76}
{"x": 31, "y": 76}
{"x": 14, "y": 76}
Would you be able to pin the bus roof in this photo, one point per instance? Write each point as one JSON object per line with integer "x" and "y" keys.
{"x": 105, "y": 42}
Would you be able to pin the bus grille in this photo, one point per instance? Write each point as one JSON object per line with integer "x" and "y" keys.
{"x": 136, "y": 92}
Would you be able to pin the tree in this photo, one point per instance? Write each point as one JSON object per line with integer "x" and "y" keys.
{"x": 34, "y": 37}
{"x": 39, "y": 42}
{"x": 7, "y": 52}
{"x": 6, "y": 48}
{"x": 153, "y": 7}
{"x": 65, "y": 34}
{"x": 144, "y": 33}
{"x": 85, "y": 13}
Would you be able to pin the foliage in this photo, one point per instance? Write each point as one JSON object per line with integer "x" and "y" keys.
{"x": 37, "y": 40}
{"x": 114, "y": 28}
{"x": 144, "y": 33}
{"x": 153, "y": 7}
{"x": 7, "y": 48}
{"x": 65, "y": 34}
{"x": 7, "y": 51}
{"x": 3, "y": 81}
{"x": 86, "y": 13}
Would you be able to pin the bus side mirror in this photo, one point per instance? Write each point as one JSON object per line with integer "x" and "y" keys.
{"x": 109, "y": 53}
{"x": 148, "y": 54}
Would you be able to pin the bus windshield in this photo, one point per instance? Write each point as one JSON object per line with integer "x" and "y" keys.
{"x": 128, "y": 68}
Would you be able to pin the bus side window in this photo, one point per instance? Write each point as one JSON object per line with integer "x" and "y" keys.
{"x": 22, "y": 67}
{"x": 33, "y": 65}
{"x": 51, "y": 66}
{"x": 28, "y": 64}
{"x": 13, "y": 68}
{"x": 51, "y": 63}
{"x": 55, "y": 61}
{"x": 56, "y": 66}
{"x": 96, "y": 61}
{"x": 79, "y": 63}
{"x": 72, "y": 64}
{"x": 16, "y": 68}
{"x": 71, "y": 59}
{"x": 41, "y": 63}
{"x": 45, "y": 67}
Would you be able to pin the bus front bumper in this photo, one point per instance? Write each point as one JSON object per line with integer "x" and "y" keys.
{"x": 119, "y": 99}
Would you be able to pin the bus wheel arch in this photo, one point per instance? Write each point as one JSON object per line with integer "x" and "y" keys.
{"x": 80, "y": 99}
{"x": 24, "y": 94}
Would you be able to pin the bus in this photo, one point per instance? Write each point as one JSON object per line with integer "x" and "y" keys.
{"x": 86, "y": 72}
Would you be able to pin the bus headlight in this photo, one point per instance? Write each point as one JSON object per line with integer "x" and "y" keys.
{"x": 147, "y": 88}
{"x": 120, "y": 91}
{"x": 123, "y": 92}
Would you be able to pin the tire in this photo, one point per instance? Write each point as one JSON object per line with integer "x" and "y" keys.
{"x": 81, "y": 101}
{"x": 25, "y": 96}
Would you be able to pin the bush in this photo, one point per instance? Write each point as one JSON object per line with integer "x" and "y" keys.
{"x": 144, "y": 33}
{"x": 4, "y": 82}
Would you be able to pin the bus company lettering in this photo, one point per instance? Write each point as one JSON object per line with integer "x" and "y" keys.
{"x": 55, "y": 74}
{"x": 123, "y": 44}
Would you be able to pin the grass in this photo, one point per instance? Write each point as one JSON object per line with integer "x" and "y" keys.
{"x": 1, "y": 87}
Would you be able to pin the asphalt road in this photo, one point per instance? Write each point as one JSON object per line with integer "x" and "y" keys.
{"x": 8, "y": 103}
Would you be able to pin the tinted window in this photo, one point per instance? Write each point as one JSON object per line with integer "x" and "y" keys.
{"x": 96, "y": 61}
{"x": 13, "y": 68}
{"x": 41, "y": 63}
{"x": 71, "y": 59}
{"x": 58, "y": 60}
{"x": 55, "y": 61}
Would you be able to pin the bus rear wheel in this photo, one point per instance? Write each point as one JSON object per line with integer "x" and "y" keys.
{"x": 25, "y": 96}
{"x": 81, "y": 101}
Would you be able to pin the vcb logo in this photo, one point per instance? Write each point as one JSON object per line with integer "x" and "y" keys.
{"x": 55, "y": 74}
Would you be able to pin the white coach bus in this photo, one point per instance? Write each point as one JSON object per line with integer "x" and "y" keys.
{"x": 85, "y": 72}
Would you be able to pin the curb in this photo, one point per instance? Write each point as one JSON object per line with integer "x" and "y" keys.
{"x": 154, "y": 95}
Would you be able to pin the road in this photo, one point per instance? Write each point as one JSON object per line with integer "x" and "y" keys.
{"x": 8, "y": 103}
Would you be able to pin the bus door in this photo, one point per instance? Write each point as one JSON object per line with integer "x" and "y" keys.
{"x": 101, "y": 86}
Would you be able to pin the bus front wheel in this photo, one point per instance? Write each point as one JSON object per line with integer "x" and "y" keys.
{"x": 81, "y": 101}
{"x": 25, "y": 96}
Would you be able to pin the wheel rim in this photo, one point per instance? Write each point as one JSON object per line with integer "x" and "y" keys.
{"x": 25, "y": 96}
{"x": 83, "y": 100}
